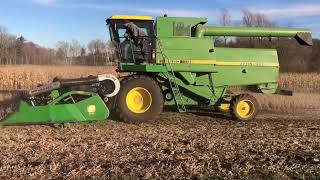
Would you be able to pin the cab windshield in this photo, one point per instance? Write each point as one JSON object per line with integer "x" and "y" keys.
{"x": 134, "y": 40}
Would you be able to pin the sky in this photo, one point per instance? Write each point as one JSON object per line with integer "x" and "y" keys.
{"x": 46, "y": 22}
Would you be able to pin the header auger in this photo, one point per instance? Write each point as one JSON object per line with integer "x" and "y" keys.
{"x": 175, "y": 62}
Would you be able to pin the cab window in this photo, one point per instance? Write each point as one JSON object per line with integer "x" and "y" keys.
{"x": 181, "y": 29}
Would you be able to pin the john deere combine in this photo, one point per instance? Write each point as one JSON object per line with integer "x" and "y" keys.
{"x": 174, "y": 61}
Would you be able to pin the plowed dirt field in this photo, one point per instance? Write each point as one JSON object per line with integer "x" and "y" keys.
{"x": 192, "y": 145}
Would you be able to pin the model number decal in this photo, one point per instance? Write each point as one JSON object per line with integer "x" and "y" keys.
{"x": 185, "y": 62}
{"x": 252, "y": 64}
{"x": 179, "y": 61}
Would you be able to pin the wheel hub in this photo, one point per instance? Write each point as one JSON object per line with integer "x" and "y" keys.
{"x": 139, "y": 100}
{"x": 245, "y": 108}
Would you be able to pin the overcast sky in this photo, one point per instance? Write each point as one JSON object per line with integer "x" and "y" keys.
{"x": 48, "y": 21}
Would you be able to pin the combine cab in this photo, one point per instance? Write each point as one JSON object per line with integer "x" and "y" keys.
{"x": 174, "y": 62}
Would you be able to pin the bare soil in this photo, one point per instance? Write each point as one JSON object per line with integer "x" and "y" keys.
{"x": 190, "y": 145}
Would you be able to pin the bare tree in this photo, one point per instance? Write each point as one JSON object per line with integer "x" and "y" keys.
{"x": 225, "y": 17}
{"x": 83, "y": 52}
{"x": 63, "y": 49}
{"x": 75, "y": 48}
{"x": 261, "y": 20}
{"x": 97, "y": 50}
{"x": 248, "y": 19}
{"x": 7, "y": 47}
{"x": 225, "y": 20}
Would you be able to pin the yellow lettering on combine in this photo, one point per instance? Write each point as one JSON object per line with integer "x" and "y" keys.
{"x": 223, "y": 63}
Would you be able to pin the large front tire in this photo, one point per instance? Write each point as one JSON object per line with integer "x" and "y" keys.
{"x": 140, "y": 99}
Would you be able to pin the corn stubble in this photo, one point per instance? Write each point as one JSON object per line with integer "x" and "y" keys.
{"x": 301, "y": 82}
{"x": 28, "y": 76}
{"x": 283, "y": 143}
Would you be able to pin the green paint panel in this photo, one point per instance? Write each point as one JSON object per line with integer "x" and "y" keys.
{"x": 185, "y": 48}
{"x": 246, "y": 55}
{"x": 165, "y": 25}
{"x": 241, "y": 76}
{"x": 90, "y": 109}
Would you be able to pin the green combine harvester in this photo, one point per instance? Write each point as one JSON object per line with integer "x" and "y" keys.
{"x": 171, "y": 62}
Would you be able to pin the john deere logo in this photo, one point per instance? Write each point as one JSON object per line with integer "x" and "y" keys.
{"x": 91, "y": 109}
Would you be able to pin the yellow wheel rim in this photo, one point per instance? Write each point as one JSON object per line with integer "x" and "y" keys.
{"x": 245, "y": 109}
{"x": 139, "y": 100}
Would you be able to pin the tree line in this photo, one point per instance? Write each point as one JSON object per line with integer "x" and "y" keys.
{"x": 292, "y": 56}
{"x": 17, "y": 50}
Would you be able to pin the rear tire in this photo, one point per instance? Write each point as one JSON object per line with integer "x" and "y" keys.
{"x": 244, "y": 107}
{"x": 140, "y": 99}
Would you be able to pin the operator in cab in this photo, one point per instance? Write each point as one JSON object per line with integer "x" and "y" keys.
{"x": 134, "y": 33}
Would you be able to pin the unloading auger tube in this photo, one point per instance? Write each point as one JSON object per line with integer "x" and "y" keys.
{"x": 303, "y": 36}
{"x": 55, "y": 96}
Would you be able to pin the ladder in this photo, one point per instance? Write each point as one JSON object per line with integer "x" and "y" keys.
{"x": 178, "y": 97}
